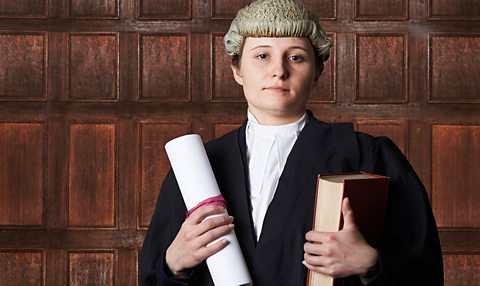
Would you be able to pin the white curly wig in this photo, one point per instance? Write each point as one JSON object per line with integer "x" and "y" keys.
{"x": 276, "y": 18}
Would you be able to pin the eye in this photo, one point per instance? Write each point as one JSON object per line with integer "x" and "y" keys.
{"x": 296, "y": 58}
{"x": 261, "y": 56}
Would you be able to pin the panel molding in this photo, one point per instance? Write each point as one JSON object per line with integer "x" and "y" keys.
{"x": 113, "y": 216}
{"x": 385, "y": 17}
{"x": 169, "y": 15}
{"x": 115, "y": 89}
{"x": 454, "y": 164}
{"x": 26, "y": 15}
{"x": 24, "y": 208}
{"x": 454, "y": 16}
{"x": 404, "y": 96}
{"x": 93, "y": 258}
{"x": 156, "y": 148}
{"x": 22, "y": 263}
{"x": 72, "y": 14}
{"x": 167, "y": 90}
{"x": 431, "y": 99}
{"x": 44, "y": 61}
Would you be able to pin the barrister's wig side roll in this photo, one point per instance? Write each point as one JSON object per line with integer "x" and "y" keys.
{"x": 276, "y": 18}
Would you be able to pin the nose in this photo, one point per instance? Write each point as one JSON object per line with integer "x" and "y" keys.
{"x": 279, "y": 69}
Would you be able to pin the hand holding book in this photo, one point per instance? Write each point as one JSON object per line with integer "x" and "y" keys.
{"x": 342, "y": 253}
{"x": 342, "y": 243}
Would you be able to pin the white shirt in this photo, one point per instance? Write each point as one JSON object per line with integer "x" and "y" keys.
{"x": 267, "y": 150}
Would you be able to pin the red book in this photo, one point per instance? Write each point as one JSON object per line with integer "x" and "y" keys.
{"x": 367, "y": 194}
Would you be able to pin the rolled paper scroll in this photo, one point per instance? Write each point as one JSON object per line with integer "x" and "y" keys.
{"x": 197, "y": 183}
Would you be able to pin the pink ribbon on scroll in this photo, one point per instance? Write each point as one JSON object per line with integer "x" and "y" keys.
{"x": 217, "y": 200}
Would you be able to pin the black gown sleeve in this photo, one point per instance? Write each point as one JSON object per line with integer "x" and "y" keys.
{"x": 167, "y": 218}
{"x": 411, "y": 253}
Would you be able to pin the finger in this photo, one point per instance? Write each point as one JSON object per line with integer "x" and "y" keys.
{"x": 213, "y": 248}
{"x": 203, "y": 212}
{"x": 211, "y": 223}
{"x": 213, "y": 234}
{"x": 317, "y": 249}
{"x": 347, "y": 212}
{"x": 320, "y": 236}
{"x": 319, "y": 261}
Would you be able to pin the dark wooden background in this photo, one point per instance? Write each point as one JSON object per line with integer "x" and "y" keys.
{"x": 91, "y": 90}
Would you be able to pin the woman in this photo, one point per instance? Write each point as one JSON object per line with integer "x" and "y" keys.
{"x": 267, "y": 171}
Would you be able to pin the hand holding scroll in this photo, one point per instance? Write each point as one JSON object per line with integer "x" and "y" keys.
{"x": 191, "y": 246}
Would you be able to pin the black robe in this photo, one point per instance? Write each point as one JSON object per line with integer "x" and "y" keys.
{"x": 410, "y": 254}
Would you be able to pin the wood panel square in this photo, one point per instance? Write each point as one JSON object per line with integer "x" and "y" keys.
{"x": 154, "y": 162}
{"x": 23, "y": 67}
{"x": 381, "y": 71}
{"x": 454, "y": 68}
{"x": 23, "y": 9}
{"x": 381, "y": 9}
{"x": 164, "y": 68}
{"x": 92, "y": 176}
{"x": 93, "y": 8}
{"x": 22, "y": 174}
{"x": 395, "y": 130}
{"x": 93, "y": 67}
{"x": 461, "y": 269}
{"x": 22, "y": 268}
{"x": 455, "y": 175}
{"x": 91, "y": 268}
{"x": 165, "y": 9}
{"x": 454, "y": 9}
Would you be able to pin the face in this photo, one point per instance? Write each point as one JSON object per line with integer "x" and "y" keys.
{"x": 277, "y": 75}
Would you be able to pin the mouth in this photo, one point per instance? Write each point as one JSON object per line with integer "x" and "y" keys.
{"x": 276, "y": 89}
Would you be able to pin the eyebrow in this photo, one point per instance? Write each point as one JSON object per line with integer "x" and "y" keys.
{"x": 289, "y": 48}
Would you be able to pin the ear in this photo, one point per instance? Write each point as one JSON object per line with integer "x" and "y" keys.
{"x": 237, "y": 74}
{"x": 318, "y": 73}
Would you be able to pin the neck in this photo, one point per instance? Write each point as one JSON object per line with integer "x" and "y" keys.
{"x": 274, "y": 119}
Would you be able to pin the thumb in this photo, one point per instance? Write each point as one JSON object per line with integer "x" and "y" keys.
{"x": 347, "y": 212}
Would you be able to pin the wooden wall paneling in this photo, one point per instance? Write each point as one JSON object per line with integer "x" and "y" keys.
{"x": 93, "y": 67}
{"x": 92, "y": 267}
{"x": 57, "y": 174}
{"x": 397, "y": 130}
{"x": 92, "y": 169}
{"x": 93, "y": 9}
{"x": 22, "y": 267}
{"x": 23, "y": 58}
{"x": 166, "y": 9}
{"x": 128, "y": 67}
{"x": 127, "y": 267}
{"x": 461, "y": 269}
{"x": 221, "y": 129}
{"x": 201, "y": 67}
{"x": 22, "y": 174}
{"x": 55, "y": 267}
{"x": 455, "y": 175}
{"x": 127, "y": 173}
{"x": 452, "y": 59}
{"x": 23, "y": 9}
{"x": 154, "y": 163}
{"x": 325, "y": 91}
{"x": 381, "y": 68}
{"x": 381, "y": 10}
{"x": 326, "y": 9}
{"x": 164, "y": 68}
{"x": 419, "y": 151}
{"x": 454, "y": 9}
{"x": 224, "y": 9}
{"x": 224, "y": 86}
